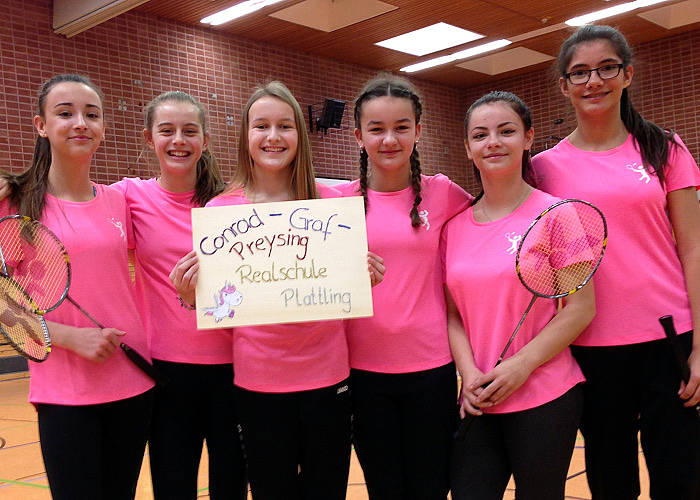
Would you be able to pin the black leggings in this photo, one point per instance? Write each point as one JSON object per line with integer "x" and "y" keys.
{"x": 534, "y": 445}
{"x": 297, "y": 443}
{"x": 195, "y": 406}
{"x": 632, "y": 390}
{"x": 94, "y": 452}
{"x": 403, "y": 425}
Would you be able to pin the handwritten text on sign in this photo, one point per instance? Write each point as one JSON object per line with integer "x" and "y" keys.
{"x": 281, "y": 262}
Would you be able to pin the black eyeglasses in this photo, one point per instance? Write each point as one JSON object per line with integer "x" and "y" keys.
{"x": 581, "y": 76}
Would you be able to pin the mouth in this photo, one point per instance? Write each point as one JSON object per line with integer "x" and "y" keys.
{"x": 596, "y": 96}
{"x": 274, "y": 149}
{"x": 80, "y": 138}
{"x": 179, "y": 154}
{"x": 495, "y": 155}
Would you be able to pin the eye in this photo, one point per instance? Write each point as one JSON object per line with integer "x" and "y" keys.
{"x": 165, "y": 131}
{"x": 94, "y": 116}
{"x": 65, "y": 114}
{"x": 579, "y": 72}
{"x": 478, "y": 136}
{"x": 609, "y": 67}
{"x": 508, "y": 131}
{"x": 192, "y": 131}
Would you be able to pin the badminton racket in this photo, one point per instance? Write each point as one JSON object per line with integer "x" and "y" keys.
{"x": 681, "y": 360}
{"x": 35, "y": 260}
{"x": 556, "y": 257}
{"x": 25, "y": 332}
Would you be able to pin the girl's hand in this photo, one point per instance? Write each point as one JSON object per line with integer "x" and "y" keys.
{"x": 690, "y": 392}
{"x": 94, "y": 344}
{"x": 376, "y": 268}
{"x": 502, "y": 381}
{"x": 468, "y": 401}
{"x": 184, "y": 277}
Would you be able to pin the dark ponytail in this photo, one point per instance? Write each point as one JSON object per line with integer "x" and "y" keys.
{"x": 652, "y": 141}
{"x": 387, "y": 85}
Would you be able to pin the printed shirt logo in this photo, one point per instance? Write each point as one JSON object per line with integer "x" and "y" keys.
{"x": 424, "y": 222}
{"x": 118, "y": 224}
{"x": 643, "y": 174}
{"x": 513, "y": 239}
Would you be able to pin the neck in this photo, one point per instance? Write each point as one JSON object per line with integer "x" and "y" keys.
{"x": 269, "y": 186}
{"x": 387, "y": 181}
{"x": 178, "y": 183}
{"x": 599, "y": 133}
{"x": 501, "y": 198}
{"x": 70, "y": 182}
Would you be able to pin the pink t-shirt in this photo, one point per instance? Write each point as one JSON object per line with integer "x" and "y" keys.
{"x": 292, "y": 356}
{"x": 408, "y": 331}
{"x": 480, "y": 274}
{"x": 162, "y": 235}
{"x": 640, "y": 278}
{"x": 95, "y": 234}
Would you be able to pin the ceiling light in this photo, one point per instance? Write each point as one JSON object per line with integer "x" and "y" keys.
{"x": 462, "y": 54}
{"x": 430, "y": 39}
{"x": 611, "y": 11}
{"x": 238, "y": 10}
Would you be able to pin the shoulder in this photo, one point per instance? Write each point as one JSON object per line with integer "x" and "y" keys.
{"x": 351, "y": 188}
{"x": 235, "y": 197}
{"x": 325, "y": 191}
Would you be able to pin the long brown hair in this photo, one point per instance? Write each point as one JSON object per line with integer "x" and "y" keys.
{"x": 28, "y": 189}
{"x": 391, "y": 86}
{"x": 209, "y": 181}
{"x": 302, "y": 183}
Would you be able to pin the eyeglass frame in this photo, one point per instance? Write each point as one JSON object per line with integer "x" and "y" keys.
{"x": 597, "y": 70}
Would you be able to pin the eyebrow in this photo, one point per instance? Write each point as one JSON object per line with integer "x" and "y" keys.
{"x": 190, "y": 124}
{"x": 71, "y": 104}
{"x": 375, "y": 122}
{"x": 479, "y": 127}
{"x": 604, "y": 61}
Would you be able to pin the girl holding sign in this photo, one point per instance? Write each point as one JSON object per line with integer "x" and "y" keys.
{"x": 197, "y": 403}
{"x": 532, "y": 405}
{"x": 291, "y": 379}
{"x": 403, "y": 378}
{"x": 644, "y": 179}
{"x": 93, "y": 404}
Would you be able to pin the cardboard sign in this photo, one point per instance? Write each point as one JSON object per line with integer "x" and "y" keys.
{"x": 281, "y": 262}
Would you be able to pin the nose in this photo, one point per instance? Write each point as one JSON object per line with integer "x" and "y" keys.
{"x": 80, "y": 122}
{"x": 273, "y": 133}
{"x": 179, "y": 137}
{"x": 595, "y": 78}
{"x": 389, "y": 137}
{"x": 493, "y": 140}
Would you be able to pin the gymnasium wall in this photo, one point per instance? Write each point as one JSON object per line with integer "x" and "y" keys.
{"x": 134, "y": 57}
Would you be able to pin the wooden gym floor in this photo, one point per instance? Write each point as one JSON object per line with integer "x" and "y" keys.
{"x": 22, "y": 475}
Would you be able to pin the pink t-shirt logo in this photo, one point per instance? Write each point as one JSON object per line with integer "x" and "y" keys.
{"x": 643, "y": 175}
{"x": 424, "y": 222}
{"x": 118, "y": 224}
{"x": 514, "y": 239}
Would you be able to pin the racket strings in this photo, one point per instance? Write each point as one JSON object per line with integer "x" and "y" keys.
{"x": 562, "y": 249}
{"x": 36, "y": 261}
{"x": 25, "y": 331}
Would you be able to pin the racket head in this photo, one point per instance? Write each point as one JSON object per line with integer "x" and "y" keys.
{"x": 36, "y": 260}
{"x": 562, "y": 249}
{"x": 27, "y": 333}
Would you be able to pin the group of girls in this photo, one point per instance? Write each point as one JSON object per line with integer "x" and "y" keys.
{"x": 298, "y": 390}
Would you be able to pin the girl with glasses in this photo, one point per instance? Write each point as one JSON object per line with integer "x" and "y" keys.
{"x": 644, "y": 180}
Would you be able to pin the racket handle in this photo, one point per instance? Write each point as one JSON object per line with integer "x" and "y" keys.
{"x": 144, "y": 365}
{"x": 681, "y": 361}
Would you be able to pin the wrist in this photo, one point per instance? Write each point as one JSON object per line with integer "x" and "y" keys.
{"x": 185, "y": 304}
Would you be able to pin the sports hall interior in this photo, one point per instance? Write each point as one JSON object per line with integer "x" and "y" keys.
{"x": 321, "y": 49}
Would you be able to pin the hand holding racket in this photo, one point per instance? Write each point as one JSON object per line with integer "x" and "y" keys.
{"x": 34, "y": 260}
{"x": 556, "y": 257}
{"x": 681, "y": 360}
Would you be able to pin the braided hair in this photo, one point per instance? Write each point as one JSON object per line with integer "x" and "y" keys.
{"x": 387, "y": 85}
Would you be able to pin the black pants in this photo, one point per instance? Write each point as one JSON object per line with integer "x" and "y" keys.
{"x": 629, "y": 390}
{"x": 297, "y": 443}
{"x": 534, "y": 445}
{"x": 196, "y": 405}
{"x": 403, "y": 425}
{"x": 94, "y": 452}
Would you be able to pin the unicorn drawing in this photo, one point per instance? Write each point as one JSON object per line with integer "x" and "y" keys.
{"x": 226, "y": 299}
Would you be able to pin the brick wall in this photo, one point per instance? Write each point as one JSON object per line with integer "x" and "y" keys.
{"x": 135, "y": 57}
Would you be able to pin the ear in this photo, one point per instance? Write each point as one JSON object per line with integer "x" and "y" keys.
{"x": 563, "y": 86}
{"x": 148, "y": 137}
{"x": 627, "y": 76}
{"x": 40, "y": 125}
{"x": 205, "y": 144}
{"x": 529, "y": 138}
{"x": 419, "y": 127}
{"x": 469, "y": 151}
{"x": 358, "y": 137}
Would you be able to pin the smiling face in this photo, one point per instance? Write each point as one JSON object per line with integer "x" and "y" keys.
{"x": 72, "y": 121}
{"x": 496, "y": 140}
{"x": 177, "y": 138}
{"x": 388, "y": 131}
{"x": 597, "y": 96}
{"x": 272, "y": 134}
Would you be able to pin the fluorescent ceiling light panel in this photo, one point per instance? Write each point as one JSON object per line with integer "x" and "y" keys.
{"x": 238, "y": 10}
{"x": 430, "y": 39}
{"x": 462, "y": 54}
{"x": 611, "y": 11}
